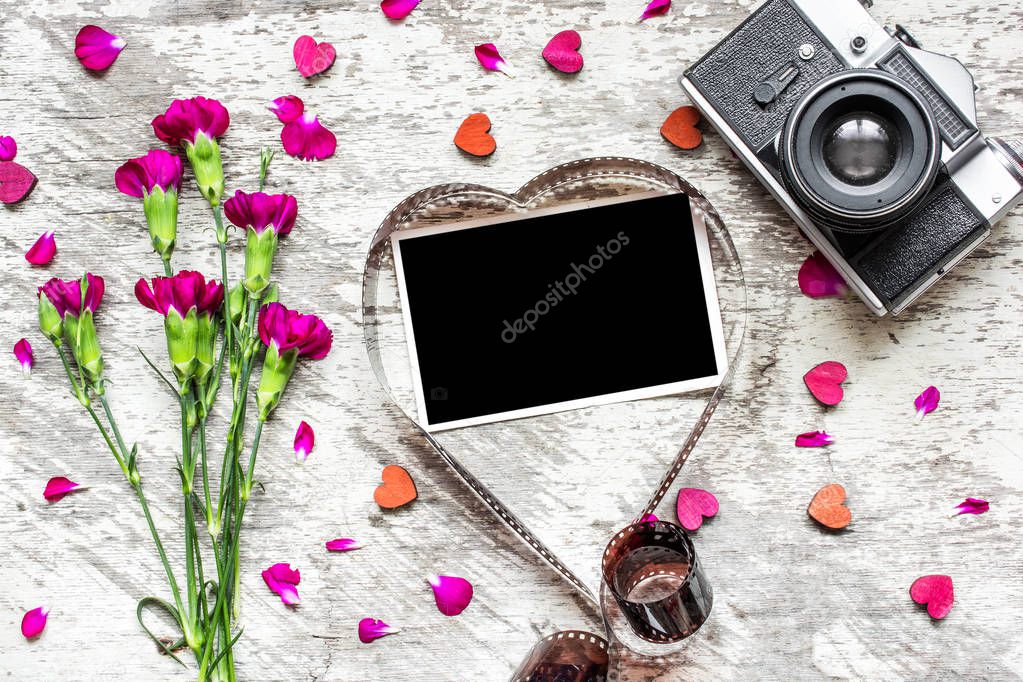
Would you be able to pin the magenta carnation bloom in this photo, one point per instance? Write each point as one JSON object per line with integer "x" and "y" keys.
{"x": 260, "y": 211}
{"x": 288, "y": 329}
{"x": 158, "y": 168}
{"x": 182, "y": 292}
{"x": 186, "y": 118}
{"x": 66, "y": 295}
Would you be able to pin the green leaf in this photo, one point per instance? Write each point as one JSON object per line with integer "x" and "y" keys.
{"x": 213, "y": 665}
{"x": 157, "y": 370}
{"x": 157, "y": 602}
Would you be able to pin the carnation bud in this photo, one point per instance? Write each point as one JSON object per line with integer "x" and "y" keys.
{"x": 81, "y": 336}
{"x": 204, "y": 155}
{"x": 204, "y": 346}
{"x": 50, "y": 322}
{"x": 162, "y": 216}
{"x": 236, "y": 299}
{"x": 260, "y": 248}
{"x": 277, "y": 370}
{"x": 182, "y": 336}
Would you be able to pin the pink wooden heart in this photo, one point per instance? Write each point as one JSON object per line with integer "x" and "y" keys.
{"x": 936, "y": 592}
{"x": 16, "y": 182}
{"x": 824, "y": 382}
{"x": 311, "y": 57}
{"x": 694, "y": 504}
{"x": 562, "y": 52}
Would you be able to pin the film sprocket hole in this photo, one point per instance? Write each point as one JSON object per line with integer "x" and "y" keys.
{"x": 868, "y": 141}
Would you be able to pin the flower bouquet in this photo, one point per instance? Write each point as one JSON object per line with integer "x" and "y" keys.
{"x": 206, "y": 326}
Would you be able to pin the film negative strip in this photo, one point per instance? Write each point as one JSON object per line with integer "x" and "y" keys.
{"x": 650, "y": 569}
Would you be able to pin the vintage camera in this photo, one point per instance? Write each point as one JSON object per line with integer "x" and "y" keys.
{"x": 869, "y": 142}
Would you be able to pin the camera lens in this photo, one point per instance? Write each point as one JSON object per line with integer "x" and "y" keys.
{"x": 860, "y": 148}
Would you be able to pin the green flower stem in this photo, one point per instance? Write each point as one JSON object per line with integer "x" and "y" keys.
{"x": 205, "y": 475}
{"x": 192, "y": 583}
{"x": 167, "y": 269}
{"x": 246, "y": 491}
{"x": 113, "y": 425}
{"x": 77, "y": 389}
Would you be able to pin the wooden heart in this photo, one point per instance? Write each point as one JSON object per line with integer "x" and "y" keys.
{"x": 311, "y": 57}
{"x": 828, "y": 507}
{"x": 824, "y": 382}
{"x": 397, "y": 489}
{"x": 473, "y": 136}
{"x": 16, "y": 182}
{"x": 680, "y": 128}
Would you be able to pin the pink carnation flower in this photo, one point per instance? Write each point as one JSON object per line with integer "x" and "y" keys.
{"x": 158, "y": 168}
{"x": 260, "y": 211}
{"x": 182, "y": 292}
{"x": 288, "y": 329}
{"x": 66, "y": 295}
{"x": 186, "y": 118}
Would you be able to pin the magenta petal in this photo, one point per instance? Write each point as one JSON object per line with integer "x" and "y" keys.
{"x": 23, "y": 352}
{"x": 371, "y": 628}
{"x": 43, "y": 251}
{"x": 57, "y": 487}
{"x": 342, "y": 545}
{"x": 927, "y": 402}
{"x": 97, "y": 49}
{"x": 655, "y": 9}
{"x": 307, "y": 139}
{"x": 452, "y": 593}
{"x": 34, "y": 621}
{"x": 649, "y": 518}
{"x": 283, "y": 581}
{"x": 813, "y": 439}
{"x": 8, "y": 148}
{"x": 489, "y": 57}
{"x": 398, "y": 9}
{"x": 819, "y": 279}
{"x": 304, "y": 440}
{"x": 287, "y": 108}
{"x": 972, "y": 505}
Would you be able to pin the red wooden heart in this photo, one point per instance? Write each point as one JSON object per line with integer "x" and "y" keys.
{"x": 936, "y": 592}
{"x": 16, "y": 182}
{"x": 311, "y": 57}
{"x": 473, "y": 136}
{"x": 824, "y": 382}
{"x": 828, "y": 507}
{"x": 397, "y": 488}
{"x": 562, "y": 52}
{"x": 680, "y": 128}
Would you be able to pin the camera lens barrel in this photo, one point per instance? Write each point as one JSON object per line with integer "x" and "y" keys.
{"x": 860, "y": 150}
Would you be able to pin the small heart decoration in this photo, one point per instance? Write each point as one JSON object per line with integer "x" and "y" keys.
{"x": 313, "y": 58}
{"x": 693, "y": 505}
{"x": 680, "y": 128}
{"x": 828, "y": 507}
{"x": 16, "y": 182}
{"x": 562, "y": 52}
{"x": 936, "y": 592}
{"x": 824, "y": 382}
{"x": 397, "y": 489}
{"x": 473, "y": 136}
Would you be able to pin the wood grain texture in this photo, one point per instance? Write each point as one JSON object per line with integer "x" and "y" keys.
{"x": 793, "y": 601}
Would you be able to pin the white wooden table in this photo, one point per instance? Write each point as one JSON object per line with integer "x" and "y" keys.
{"x": 792, "y": 602}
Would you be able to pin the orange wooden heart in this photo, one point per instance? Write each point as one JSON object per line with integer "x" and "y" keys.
{"x": 473, "y": 136}
{"x": 680, "y": 128}
{"x": 828, "y": 509}
{"x": 397, "y": 488}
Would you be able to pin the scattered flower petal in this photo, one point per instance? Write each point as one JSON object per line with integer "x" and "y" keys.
{"x": 304, "y": 439}
{"x": 490, "y": 58}
{"x": 649, "y": 518}
{"x": 562, "y": 52}
{"x": 287, "y": 108}
{"x": 814, "y": 439}
{"x": 57, "y": 487}
{"x": 972, "y": 505}
{"x": 311, "y": 57}
{"x": 819, "y": 279}
{"x": 936, "y": 592}
{"x": 398, "y": 9}
{"x": 8, "y": 148}
{"x": 16, "y": 182}
{"x": 306, "y": 138}
{"x": 97, "y": 49}
{"x": 927, "y": 402}
{"x": 655, "y": 9}
{"x": 283, "y": 581}
{"x": 23, "y": 351}
{"x": 452, "y": 593}
{"x": 43, "y": 251}
{"x": 371, "y": 628}
{"x": 825, "y": 382}
{"x": 34, "y": 621}
{"x": 342, "y": 545}
{"x": 693, "y": 505}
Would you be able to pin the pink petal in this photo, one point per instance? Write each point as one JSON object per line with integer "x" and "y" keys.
{"x": 398, "y": 9}
{"x": 43, "y": 251}
{"x": 649, "y": 518}
{"x": 692, "y": 505}
{"x": 57, "y": 487}
{"x": 342, "y": 545}
{"x": 453, "y": 594}
{"x": 819, "y": 279}
{"x": 305, "y": 138}
{"x": 927, "y": 402}
{"x": 97, "y": 49}
{"x": 972, "y": 505}
{"x": 935, "y": 591}
{"x": 23, "y": 351}
{"x": 283, "y": 581}
{"x": 813, "y": 439}
{"x": 489, "y": 57}
{"x": 304, "y": 439}
{"x": 287, "y": 108}
{"x": 655, "y": 9}
{"x": 371, "y": 628}
{"x": 8, "y": 148}
{"x": 34, "y": 621}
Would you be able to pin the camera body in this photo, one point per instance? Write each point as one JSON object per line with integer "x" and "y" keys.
{"x": 870, "y": 143}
